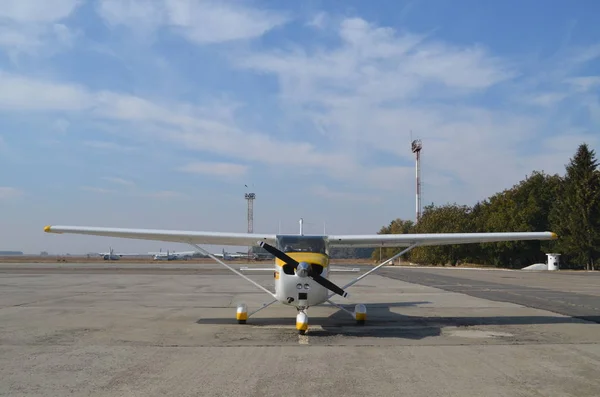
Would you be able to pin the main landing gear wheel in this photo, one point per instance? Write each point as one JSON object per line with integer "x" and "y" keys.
{"x": 302, "y": 323}
{"x": 242, "y": 313}
{"x": 360, "y": 314}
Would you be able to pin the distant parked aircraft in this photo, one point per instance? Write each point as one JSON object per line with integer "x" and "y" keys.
{"x": 111, "y": 256}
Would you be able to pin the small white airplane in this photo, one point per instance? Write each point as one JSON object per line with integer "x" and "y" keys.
{"x": 171, "y": 255}
{"x": 112, "y": 256}
{"x": 301, "y": 269}
{"x": 228, "y": 256}
{"x": 175, "y": 255}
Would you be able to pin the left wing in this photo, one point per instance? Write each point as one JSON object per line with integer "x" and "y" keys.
{"x": 176, "y": 236}
{"x": 406, "y": 240}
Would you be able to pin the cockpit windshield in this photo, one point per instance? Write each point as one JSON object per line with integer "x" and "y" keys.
{"x": 315, "y": 244}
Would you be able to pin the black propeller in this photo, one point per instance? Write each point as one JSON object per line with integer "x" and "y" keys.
{"x": 310, "y": 272}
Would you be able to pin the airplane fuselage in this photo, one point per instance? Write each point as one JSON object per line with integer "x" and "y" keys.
{"x": 293, "y": 287}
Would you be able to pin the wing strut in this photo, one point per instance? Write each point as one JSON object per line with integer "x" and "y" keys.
{"x": 376, "y": 267}
{"x": 205, "y": 252}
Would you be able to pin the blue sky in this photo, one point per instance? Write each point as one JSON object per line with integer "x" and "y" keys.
{"x": 138, "y": 113}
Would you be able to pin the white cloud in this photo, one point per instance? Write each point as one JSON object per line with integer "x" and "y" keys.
{"x": 172, "y": 123}
{"x": 140, "y": 15}
{"x": 160, "y": 194}
{"x": 203, "y": 22}
{"x": 364, "y": 95}
{"x": 327, "y": 193}
{"x": 165, "y": 194}
{"x": 367, "y": 93}
{"x": 22, "y": 93}
{"x": 37, "y": 11}
{"x": 103, "y": 145}
{"x": 95, "y": 189}
{"x": 29, "y": 26}
{"x": 319, "y": 20}
{"x": 379, "y": 65}
{"x": 60, "y": 126}
{"x": 119, "y": 181}
{"x": 584, "y": 83}
{"x": 585, "y": 54}
{"x": 229, "y": 170}
{"x": 9, "y": 192}
{"x": 545, "y": 99}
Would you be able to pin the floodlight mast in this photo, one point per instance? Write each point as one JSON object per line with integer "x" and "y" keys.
{"x": 250, "y": 199}
{"x": 416, "y": 147}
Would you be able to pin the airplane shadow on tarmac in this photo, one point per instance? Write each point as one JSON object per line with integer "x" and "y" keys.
{"x": 384, "y": 323}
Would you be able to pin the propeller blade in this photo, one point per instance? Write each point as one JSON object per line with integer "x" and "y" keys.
{"x": 279, "y": 254}
{"x": 328, "y": 284}
{"x": 291, "y": 261}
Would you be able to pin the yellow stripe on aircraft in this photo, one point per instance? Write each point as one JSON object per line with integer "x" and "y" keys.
{"x": 308, "y": 257}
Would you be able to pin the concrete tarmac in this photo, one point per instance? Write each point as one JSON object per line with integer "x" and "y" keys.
{"x": 572, "y": 293}
{"x": 169, "y": 329}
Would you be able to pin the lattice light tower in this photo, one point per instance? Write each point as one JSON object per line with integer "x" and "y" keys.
{"x": 416, "y": 147}
{"x": 250, "y": 199}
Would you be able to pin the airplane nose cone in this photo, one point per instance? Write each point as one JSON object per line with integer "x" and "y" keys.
{"x": 302, "y": 269}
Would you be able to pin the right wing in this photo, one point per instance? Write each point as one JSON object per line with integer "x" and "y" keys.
{"x": 424, "y": 239}
{"x": 176, "y": 236}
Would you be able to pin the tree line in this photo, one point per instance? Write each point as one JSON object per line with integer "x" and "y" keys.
{"x": 568, "y": 205}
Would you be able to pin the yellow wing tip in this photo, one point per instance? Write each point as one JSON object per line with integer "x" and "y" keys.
{"x": 554, "y": 236}
{"x": 47, "y": 228}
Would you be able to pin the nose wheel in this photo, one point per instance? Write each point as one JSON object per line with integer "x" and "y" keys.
{"x": 302, "y": 322}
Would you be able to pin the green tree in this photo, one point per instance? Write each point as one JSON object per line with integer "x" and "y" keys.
{"x": 397, "y": 226}
{"x": 523, "y": 208}
{"x": 576, "y": 213}
{"x": 449, "y": 218}
{"x": 569, "y": 206}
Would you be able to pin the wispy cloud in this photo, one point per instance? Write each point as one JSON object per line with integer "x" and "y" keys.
{"x": 327, "y": 193}
{"x": 31, "y": 27}
{"x": 545, "y": 99}
{"x": 165, "y": 194}
{"x": 23, "y": 93}
{"x": 173, "y": 123}
{"x": 359, "y": 95}
{"x": 128, "y": 188}
{"x": 112, "y": 146}
{"x": 584, "y": 83}
{"x": 204, "y": 22}
{"x": 94, "y": 189}
{"x": 7, "y": 192}
{"x": 35, "y": 11}
{"x": 368, "y": 92}
{"x": 319, "y": 20}
{"x": 119, "y": 181}
{"x": 356, "y": 98}
{"x": 220, "y": 169}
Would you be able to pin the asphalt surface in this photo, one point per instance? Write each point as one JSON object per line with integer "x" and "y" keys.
{"x": 575, "y": 294}
{"x": 169, "y": 329}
